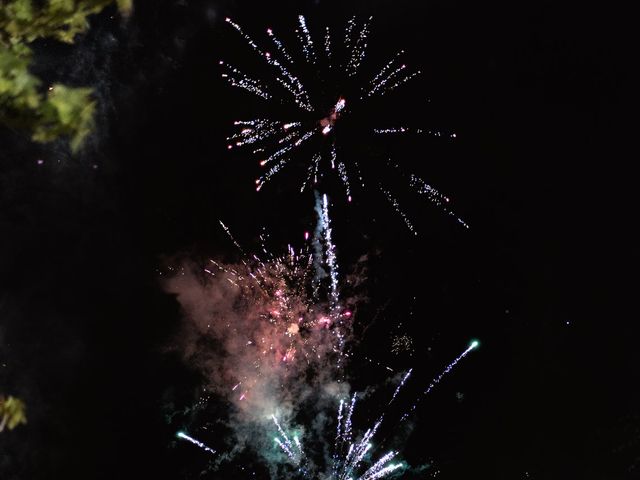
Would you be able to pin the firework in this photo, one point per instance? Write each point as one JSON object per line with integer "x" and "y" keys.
{"x": 197, "y": 443}
{"x": 474, "y": 344}
{"x": 349, "y": 453}
{"x": 313, "y": 129}
{"x": 282, "y": 326}
{"x": 402, "y": 343}
{"x": 278, "y": 320}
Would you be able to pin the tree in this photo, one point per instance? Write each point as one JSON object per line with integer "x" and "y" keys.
{"x": 59, "y": 110}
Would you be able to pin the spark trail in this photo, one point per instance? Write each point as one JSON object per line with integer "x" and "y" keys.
{"x": 197, "y": 443}
{"x": 437, "y": 379}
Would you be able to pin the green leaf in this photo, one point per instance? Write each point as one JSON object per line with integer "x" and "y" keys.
{"x": 63, "y": 111}
{"x": 12, "y": 412}
{"x": 125, "y": 6}
{"x": 18, "y": 87}
{"x": 66, "y": 112}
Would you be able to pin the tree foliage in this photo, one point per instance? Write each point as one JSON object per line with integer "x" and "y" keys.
{"x": 12, "y": 412}
{"x": 59, "y": 110}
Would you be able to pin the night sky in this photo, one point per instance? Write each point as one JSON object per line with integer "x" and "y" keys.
{"x": 544, "y": 278}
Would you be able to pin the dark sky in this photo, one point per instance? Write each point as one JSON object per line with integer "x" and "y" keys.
{"x": 535, "y": 94}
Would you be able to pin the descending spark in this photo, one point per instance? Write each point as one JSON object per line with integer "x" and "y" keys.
{"x": 228, "y": 232}
{"x": 288, "y": 147}
{"x": 279, "y": 45}
{"x": 312, "y": 172}
{"x": 290, "y": 82}
{"x": 400, "y": 385}
{"x": 261, "y": 129}
{"x": 400, "y": 81}
{"x": 434, "y": 196}
{"x": 401, "y": 130}
{"x": 396, "y": 206}
{"x": 421, "y": 187}
{"x": 244, "y": 35}
{"x": 305, "y": 39}
{"x": 381, "y": 365}
{"x": 333, "y": 156}
{"x": 358, "y": 52}
{"x": 240, "y": 80}
{"x": 342, "y": 168}
{"x": 327, "y": 46}
{"x": 285, "y": 444}
{"x": 198, "y": 443}
{"x": 379, "y": 86}
{"x": 277, "y": 167}
{"x": 474, "y": 344}
{"x": 376, "y": 80}
{"x": 347, "y": 33}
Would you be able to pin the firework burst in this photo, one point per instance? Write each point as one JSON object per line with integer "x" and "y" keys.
{"x": 320, "y": 107}
{"x": 268, "y": 325}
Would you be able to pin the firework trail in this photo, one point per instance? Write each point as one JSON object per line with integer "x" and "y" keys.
{"x": 437, "y": 380}
{"x": 325, "y": 250}
{"x": 197, "y": 443}
{"x": 313, "y": 129}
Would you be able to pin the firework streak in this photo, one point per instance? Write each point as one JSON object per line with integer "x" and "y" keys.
{"x": 197, "y": 443}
